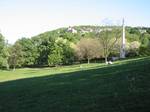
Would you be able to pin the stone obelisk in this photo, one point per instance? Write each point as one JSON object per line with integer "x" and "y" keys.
{"x": 123, "y": 41}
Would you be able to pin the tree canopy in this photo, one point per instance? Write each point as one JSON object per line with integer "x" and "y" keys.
{"x": 63, "y": 46}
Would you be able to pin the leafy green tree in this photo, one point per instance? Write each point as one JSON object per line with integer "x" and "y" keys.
{"x": 70, "y": 36}
{"x": 134, "y": 31}
{"x": 148, "y": 30}
{"x": 145, "y": 40}
{"x": 145, "y": 45}
{"x": 108, "y": 38}
{"x": 29, "y": 51}
{"x": 16, "y": 56}
{"x": 44, "y": 49}
{"x": 55, "y": 47}
{"x": 67, "y": 52}
{"x": 133, "y": 49}
{"x": 3, "y": 53}
{"x": 132, "y": 37}
{"x": 55, "y": 58}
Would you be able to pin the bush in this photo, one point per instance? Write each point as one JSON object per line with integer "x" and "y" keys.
{"x": 144, "y": 51}
{"x": 133, "y": 49}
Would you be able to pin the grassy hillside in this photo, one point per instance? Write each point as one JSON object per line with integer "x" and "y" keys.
{"x": 121, "y": 87}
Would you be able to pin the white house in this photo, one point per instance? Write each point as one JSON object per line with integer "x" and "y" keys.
{"x": 72, "y": 30}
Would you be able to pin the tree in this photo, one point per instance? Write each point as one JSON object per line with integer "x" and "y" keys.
{"x": 148, "y": 30}
{"x": 16, "y": 56}
{"x": 88, "y": 48}
{"x": 29, "y": 51}
{"x": 145, "y": 41}
{"x": 55, "y": 58}
{"x": 133, "y": 49}
{"x": 3, "y": 53}
{"x": 43, "y": 50}
{"x": 108, "y": 38}
{"x": 68, "y": 54}
{"x": 67, "y": 51}
{"x": 145, "y": 45}
{"x": 134, "y": 31}
{"x": 45, "y": 47}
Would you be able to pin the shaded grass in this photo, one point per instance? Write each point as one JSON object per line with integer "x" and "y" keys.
{"x": 122, "y": 87}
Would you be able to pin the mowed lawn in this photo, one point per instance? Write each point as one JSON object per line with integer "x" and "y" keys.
{"x": 121, "y": 87}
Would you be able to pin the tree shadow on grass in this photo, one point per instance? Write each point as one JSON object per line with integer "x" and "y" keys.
{"x": 115, "y": 88}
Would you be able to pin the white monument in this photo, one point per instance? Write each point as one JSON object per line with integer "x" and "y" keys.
{"x": 123, "y": 41}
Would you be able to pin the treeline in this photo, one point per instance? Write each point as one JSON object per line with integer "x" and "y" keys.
{"x": 67, "y": 46}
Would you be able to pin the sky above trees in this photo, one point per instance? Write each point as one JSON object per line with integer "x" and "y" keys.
{"x": 26, "y": 18}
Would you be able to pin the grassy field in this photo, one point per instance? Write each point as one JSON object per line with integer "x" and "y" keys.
{"x": 121, "y": 87}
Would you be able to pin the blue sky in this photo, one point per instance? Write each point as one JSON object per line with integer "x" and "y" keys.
{"x": 26, "y": 18}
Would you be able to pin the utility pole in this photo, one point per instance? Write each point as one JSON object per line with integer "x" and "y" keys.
{"x": 123, "y": 41}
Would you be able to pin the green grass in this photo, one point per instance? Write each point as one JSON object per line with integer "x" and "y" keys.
{"x": 121, "y": 87}
{"x": 40, "y": 72}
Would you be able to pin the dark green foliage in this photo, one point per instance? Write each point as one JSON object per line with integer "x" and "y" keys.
{"x": 145, "y": 40}
{"x": 16, "y": 58}
{"x": 61, "y": 53}
{"x": 132, "y": 37}
{"x": 29, "y": 50}
{"x": 144, "y": 51}
{"x": 145, "y": 45}
{"x": 132, "y": 53}
{"x": 44, "y": 49}
{"x": 2, "y": 42}
{"x": 36, "y": 50}
{"x": 3, "y": 53}
{"x": 134, "y": 31}
{"x": 68, "y": 54}
{"x": 55, "y": 57}
{"x": 148, "y": 30}
{"x": 70, "y": 37}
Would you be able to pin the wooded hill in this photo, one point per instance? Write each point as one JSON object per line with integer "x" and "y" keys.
{"x": 73, "y": 44}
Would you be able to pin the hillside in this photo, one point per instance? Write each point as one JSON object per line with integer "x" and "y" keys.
{"x": 77, "y": 44}
{"x": 140, "y": 35}
{"x": 122, "y": 87}
{"x": 132, "y": 33}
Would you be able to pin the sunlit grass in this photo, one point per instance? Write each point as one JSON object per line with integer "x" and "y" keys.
{"x": 36, "y": 72}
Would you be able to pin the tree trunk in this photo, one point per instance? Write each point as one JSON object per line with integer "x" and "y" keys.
{"x": 7, "y": 66}
{"x": 88, "y": 61}
{"x": 14, "y": 68}
{"x": 106, "y": 55}
{"x": 106, "y": 59}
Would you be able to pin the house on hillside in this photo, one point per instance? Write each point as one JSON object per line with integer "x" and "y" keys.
{"x": 142, "y": 31}
{"x": 72, "y": 30}
{"x": 88, "y": 30}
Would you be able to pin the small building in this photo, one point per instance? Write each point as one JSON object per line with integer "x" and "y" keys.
{"x": 142, "y": 31}
{"x": 72, "y": 30}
